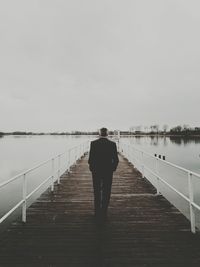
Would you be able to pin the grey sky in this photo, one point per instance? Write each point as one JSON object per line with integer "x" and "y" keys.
{"x": 83, "y": 64}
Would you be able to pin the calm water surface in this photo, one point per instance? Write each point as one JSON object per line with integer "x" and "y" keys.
{"x": 19, "y": 153}
{"x": 183, "y": 152}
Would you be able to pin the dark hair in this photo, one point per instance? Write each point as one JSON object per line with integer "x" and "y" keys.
{"x": 103, "y": 132}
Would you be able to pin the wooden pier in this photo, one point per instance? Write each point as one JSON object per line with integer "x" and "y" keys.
{"x": 142, "y": 230}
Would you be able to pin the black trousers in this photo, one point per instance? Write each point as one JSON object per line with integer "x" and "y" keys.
{"x": 102, "y": 183}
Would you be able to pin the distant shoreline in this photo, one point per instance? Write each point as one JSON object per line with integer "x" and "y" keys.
{"x": 124, "y": 134}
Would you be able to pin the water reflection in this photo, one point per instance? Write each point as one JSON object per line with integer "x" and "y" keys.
{"x": 165, "y": 140}
{"x": 182, "y": 151}
{"x": 184, "y": 140}
{"x": 154, "y": 140}
{"x": 18, "y": 153}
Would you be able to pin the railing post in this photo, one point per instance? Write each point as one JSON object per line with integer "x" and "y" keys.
{"x": 129, "y": 153}
{"x": 52, "y": 176}
{"x": 24, "y": 198}
{"x": 59, "y": 169}
{"x": 158, "y": 181}
{"x": 119, "y": 148}
{"x": 191, "y": 197}
{"x": 82, "y": 150}
{"x": 69, "y": 161}
{"x": 126, "y": 151}
{"x": 84, "y": 145}
{"x": 142, "y": 164}
{"x": 79, "y": 151}
{"x": 75, "y": 152}
{"x": 133, "y": 158}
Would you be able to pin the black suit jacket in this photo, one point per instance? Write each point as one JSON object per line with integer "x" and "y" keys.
{"x": 103, "y": 156}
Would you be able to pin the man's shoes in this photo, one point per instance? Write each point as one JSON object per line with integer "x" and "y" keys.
{"x": 100, "y": 216}
{"x": 104, "y": 215}
{"x": 97, "y": 215}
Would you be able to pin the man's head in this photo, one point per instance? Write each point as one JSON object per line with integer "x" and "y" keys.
{"x": 103, "y": 132}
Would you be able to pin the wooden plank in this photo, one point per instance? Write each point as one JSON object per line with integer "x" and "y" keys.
{"x": 142, "y": 229}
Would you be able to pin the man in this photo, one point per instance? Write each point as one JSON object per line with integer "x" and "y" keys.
{"x": 103, "y": 161}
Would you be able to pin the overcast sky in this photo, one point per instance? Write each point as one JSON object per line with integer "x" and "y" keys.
{"x": 84, "y": 64}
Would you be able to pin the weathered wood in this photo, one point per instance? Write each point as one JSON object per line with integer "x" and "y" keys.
{"x": 142, "y": 229}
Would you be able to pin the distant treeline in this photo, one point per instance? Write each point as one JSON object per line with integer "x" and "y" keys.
{"x": 52, "y": 133}
{"x": 178, "y": 130}
{"x": 62, "y": 133}
{"x": 181, "y": 130}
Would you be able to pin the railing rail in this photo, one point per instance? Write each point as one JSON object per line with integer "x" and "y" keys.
{"x": 130, "y": 151}
{"x": 71, "y": 154}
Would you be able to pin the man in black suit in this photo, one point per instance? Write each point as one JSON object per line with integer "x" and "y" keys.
{"x": 103, "y": 161}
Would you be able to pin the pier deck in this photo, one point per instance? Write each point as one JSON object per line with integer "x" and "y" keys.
{"x": 142, "y": 229}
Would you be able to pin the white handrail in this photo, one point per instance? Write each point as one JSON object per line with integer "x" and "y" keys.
{"x": 83, "y": 148}
{"x": 37, "y": 188}
{"x": 33, "y": 168}
{"x": 166, "y": 183}
{"x": 139, "y": 163}
{"x": 164, "y": 161}
{"x": 22, "y": 173}
{"x": 11, "y": 211}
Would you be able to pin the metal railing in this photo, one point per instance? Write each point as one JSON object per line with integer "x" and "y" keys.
{"x": 164, "y": 175}
{"x": 69, "y": 158}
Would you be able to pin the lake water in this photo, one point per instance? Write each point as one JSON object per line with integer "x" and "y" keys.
{"x": 181, "y": 151}
{"x": 19, "y": 153}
